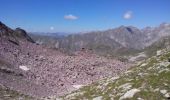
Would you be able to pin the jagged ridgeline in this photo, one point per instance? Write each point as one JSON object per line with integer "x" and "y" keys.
{"x": 124, "y": 40}
{"x": 13, "y": 35}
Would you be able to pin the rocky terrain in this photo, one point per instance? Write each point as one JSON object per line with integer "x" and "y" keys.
{"x": 37, "y": 71}
{"x": 148, "y": 80}
{"x": 30, "y": 71}
{"x": 8, "y": 94}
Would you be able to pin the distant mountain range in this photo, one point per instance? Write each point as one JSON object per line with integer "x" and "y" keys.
{"x": 121, "y": 40}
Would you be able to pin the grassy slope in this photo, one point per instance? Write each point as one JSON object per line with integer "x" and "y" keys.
{"x": 149, "y": 77}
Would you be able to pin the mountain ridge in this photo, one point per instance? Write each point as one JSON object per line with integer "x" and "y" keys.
{"x": 121, "y": 39}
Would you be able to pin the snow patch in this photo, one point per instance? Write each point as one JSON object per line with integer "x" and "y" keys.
{"x": 25, "y": 68}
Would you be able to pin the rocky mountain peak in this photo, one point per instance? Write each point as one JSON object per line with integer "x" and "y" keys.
{"x": 129, "y": 29}
{"x": 13, "y": 35}
{"x": 22, "y": 34}
{"x": 4, "y": 30}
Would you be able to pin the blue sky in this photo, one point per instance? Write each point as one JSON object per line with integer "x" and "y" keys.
{"x": 82, "y": 15}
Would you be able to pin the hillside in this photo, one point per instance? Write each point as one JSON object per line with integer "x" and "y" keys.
{"x": 149, "y": 80}
{"x": 38, "y": 71}
{"x": 8, "y": 94}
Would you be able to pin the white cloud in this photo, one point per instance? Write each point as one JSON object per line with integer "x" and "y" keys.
{"x": 51, "y": 28}
{"x": 70, "y": 17}
{"x": 128, "y": 15}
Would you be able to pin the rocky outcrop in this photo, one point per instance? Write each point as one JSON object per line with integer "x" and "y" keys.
{"x": 5, "y": 31}
{"x": 22, "y": 34}
{"x": 14, "y": 35}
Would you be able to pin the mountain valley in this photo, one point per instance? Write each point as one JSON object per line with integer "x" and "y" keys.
{"x": 47, "y": 70}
